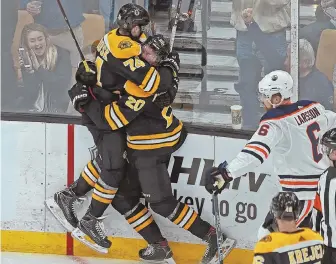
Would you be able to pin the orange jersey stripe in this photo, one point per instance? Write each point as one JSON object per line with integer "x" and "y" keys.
{"x": 257, "y": 148}
{"x": 298, "y": 182}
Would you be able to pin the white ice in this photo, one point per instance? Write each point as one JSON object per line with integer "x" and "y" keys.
{"x": 26, "y": 258}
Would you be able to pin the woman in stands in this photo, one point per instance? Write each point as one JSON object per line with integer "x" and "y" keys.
{"x": 46, "y": 71}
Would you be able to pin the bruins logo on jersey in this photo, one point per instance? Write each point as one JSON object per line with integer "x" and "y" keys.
{"x": 125, "y": 44}
{"x": 266, "y": 239}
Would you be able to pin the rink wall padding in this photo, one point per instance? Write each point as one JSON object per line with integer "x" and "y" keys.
{"x": 40, "y": 158}
{"x": 123, "y": 248}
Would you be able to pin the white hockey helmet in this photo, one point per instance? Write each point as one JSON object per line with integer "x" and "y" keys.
{"x": 276, "y": 82}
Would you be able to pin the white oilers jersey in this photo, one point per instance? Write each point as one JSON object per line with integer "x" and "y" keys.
{"x": 291, "y": 133}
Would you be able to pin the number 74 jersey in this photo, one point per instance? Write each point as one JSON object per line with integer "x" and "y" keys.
{"x": 291, "y": 133}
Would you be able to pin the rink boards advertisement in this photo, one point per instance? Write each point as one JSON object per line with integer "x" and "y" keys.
{"x": 39, "y": 159}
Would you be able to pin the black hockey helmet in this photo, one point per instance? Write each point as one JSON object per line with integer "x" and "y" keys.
{"x": 131, "y": 15}
{"x": 286, "y": 206}
{"x": 328, "y": 141}
{"x": 160, "y": 45}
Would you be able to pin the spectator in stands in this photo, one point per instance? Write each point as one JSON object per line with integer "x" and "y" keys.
{"x": 325, "y": 19}
{"x": 263, "y": 23}
{"x": 9, "y": 18}
{"x": 313, "y": 84}
{"x": 48, "y": 14}
{"x": 46, "y": 71}
{"x": 105, "y": 8}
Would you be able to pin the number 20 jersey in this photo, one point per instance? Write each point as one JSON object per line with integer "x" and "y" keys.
{"x": 291, "y": 133}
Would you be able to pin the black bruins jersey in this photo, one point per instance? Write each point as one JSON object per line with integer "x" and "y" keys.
{"x": 115, "y": 63}
{"x": 303, "y": 246}
{"x": 149, "y": 128}
{"x": 155, "y": 130}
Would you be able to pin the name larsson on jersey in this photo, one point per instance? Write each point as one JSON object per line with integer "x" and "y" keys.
{"x": 307, "y": 116}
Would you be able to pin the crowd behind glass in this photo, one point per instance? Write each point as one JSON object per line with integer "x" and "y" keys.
{"x": 39, "y": 56}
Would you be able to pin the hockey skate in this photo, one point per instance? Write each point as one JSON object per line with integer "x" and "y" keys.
{"x": 62, "y": 206}
{"x": 210, "y": 255}
{"x": 157, "y": 253}
{"x": 90, "y": 232}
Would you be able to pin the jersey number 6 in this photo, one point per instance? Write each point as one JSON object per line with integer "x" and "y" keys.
{"x": 311, "y": 129}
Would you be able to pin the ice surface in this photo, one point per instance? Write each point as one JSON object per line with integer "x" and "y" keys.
{"x": 25, "y": 258}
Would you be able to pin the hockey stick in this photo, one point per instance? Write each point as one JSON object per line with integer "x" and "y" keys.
{"x": 218, "y": 227}
{"x": 172, "y": 37}
{"x": 87, "y": 68}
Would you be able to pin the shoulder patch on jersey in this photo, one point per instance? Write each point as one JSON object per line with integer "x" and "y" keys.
{"x": 122, "y": 47}
{"x": 267, "y": 238}
{"x": 124, "y": 44}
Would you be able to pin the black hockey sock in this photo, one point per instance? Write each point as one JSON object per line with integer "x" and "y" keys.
{"x": 82, "y": 187}
{"x": 188, "y": 219}
{"x": 102, "y": 196}
{"x": 143, "y": 222}
{"x": 97, "y": 208}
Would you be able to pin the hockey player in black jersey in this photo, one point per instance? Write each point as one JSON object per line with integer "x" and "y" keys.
{"x": 290, "y": 245}
{"x": 324, "y": 213}
{"x": 116, "y": 52}
{"x": 153, "y": 134}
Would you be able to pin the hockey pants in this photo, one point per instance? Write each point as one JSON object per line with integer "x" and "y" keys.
{"x": 151, "y": 179}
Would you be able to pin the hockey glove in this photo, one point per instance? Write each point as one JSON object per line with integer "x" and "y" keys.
{"x": 84, "y": 77}
{"x": 79, "y": 95}
{"x": 167, "y": 98}
{"x": 217, "y": 179}
{"x": 172, "y": 61}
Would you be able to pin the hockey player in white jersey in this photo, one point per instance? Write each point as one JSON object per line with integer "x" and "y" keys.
{"x": 324, "y": 211}
{"x": 291, "y": 132}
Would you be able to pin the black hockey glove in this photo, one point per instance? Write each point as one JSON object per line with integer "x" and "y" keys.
{"x": 79, "y": 95}
{"x": 84, "y": 77}
{"x": 167, "y": 98}
{"x": 217, "y": 178}
{"x": 172, "y": 61}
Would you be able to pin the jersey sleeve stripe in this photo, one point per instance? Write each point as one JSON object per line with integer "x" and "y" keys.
{"x": 153, "y": 83}
{"x": 255, "y": 148}
{"x": 299, "y": 177}
{"x": 120, "y": 115}
{"x": 305, "y": 211}
{"x": 109, "y": 119}
{"x": 261, "y": 144}
{"x": 257, "y": 156}
{"x": 294, "y": 182}
{"x": 147, "y": 78}
{"x": 115, "y": 118}
{"x": 156, "y": 136}
{"x": 99, "y": 64}
{"x": 107, "y": 43}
